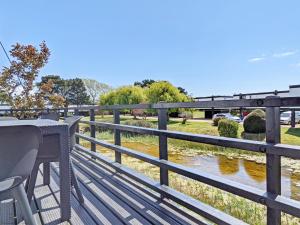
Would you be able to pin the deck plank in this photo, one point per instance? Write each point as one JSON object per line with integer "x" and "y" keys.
{"x": 47, "y": 203}
{"x": 92, "y": 208}
{"x": 118, "y": 207}
{"x": 159, "y": 214}
{"x": 148, "y": 198}
{"x": 7, "y": 212}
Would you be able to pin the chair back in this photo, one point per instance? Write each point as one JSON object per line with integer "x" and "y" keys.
{"x": 73, "y": 123}
{"x": 50, "y": 116}
{"x": 18, "y": 150}
{"x": 6, "y": 118}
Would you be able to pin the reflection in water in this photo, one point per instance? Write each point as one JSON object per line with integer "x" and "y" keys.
{"x": 257, "y": 171}
{"x": 239, "y": 170}
{"x": 295, "y": 186}
{"x": 228, "y": 166}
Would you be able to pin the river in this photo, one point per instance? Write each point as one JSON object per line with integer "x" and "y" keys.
{"x": 239, "y": 170}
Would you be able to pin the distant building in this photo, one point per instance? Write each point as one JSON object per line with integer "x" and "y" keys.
{"x": 294, "y": 91}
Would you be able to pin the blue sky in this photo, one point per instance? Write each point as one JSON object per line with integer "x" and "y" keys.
{"x": 207, "y": 47}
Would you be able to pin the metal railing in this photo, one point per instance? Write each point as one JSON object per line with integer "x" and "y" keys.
{"x": 271, "y": 197}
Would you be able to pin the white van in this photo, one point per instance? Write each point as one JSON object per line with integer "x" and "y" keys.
{"x": 285, "y": 117}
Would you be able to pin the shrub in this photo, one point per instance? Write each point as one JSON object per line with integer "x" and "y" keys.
{"x": 228, "y": 128}
{"x": 255, "y": 122}
{"x": 216, "y": 120}
{"x": 185, "y": 116}
{"x": 137, "y": 123}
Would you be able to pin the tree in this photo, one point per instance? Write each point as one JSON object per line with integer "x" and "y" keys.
{"x": 17, "y": 80}
{"x": 124, "y": 95}
{"x": 76, "y": 93}
{"x": 58, "y": 83}
{"x": 164, "y": 91}
{"x": 2, "y": 97}
{"x": 95, "y": 89}
{"x": 72, "y": 90}
{"x": 145, "y": 83}
{"x": 182, "y": 91}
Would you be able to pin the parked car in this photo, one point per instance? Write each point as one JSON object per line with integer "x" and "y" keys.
{"x": 227, "y": 116}
{"x": 286, "y": 117}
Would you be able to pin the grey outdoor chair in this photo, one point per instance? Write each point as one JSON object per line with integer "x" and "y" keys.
{"x": 6, "y": 118}
{"x": 49, "y": 152}
{"x": 18, "y": 149}
{"x": 50, "y": 116}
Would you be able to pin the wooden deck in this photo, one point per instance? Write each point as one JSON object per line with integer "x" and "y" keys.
{"x": 110, "y": 198}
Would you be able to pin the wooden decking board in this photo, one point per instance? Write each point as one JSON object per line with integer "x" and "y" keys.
{"x": 47, "y": 204}
{"x": 96, "y": 210}
{"x": 79, "y": 214}
{"x": 7, "y": 214}
{"x": 119, "y": 207}
{"x": 131, "y": 202}
{"x": 151, "y": 207}
{"x": 163, "y": 208}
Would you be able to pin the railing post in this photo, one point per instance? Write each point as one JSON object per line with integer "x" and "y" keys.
{"x": 241, "y": 108}
{"x": 293, "y": 118}
{"x": 273, "y": 161}
{"x": 212, "y": 109}
{"x": 76, "y": 113}
{"x": 93, "y": 129}
{"x": 117, "y": 135}
{"x": 65, "y": 112}
{"x": 163, "y": 144}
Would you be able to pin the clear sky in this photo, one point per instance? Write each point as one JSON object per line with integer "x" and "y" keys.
{"x": 207, "y": 47}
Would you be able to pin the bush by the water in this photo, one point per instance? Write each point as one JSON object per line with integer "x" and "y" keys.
{"x": 216, "y": 120}
{"x": 255, "y": 122}
{"x": 228, "y": 128}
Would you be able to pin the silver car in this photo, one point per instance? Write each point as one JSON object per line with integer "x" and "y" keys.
{"x": 286, "y": 117}
{"x": 227, "y": 116}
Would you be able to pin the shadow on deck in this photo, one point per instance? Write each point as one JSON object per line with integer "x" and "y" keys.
{"x": 110, "y": 198}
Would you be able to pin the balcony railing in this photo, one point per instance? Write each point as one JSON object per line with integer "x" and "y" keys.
{"x": 273, "y": 150}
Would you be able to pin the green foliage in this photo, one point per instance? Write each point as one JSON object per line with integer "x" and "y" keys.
{"x": 58, "y": 83}
{"x": 255, "y": 122}
{"x": 145, "y": 83}
{"x": 228, "y": 128}
{"x": 216, "y": 120}
{"x": 72, "y": 90}
{"x": 77, "y": 92}
{"x": 185, "y": 115}
{"x": 182, "y": 90}
{"x": 163, "y": 91}
{"x": 2, "y": 97}
{"x": 123, "y": 95}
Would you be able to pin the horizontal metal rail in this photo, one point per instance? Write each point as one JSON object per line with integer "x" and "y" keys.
{"x": 278, "y": 202}
{"x": 237, "y": 103}
{"x": 291, "y": 151}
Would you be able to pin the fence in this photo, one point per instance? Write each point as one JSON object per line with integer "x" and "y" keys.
{"x": 271, "y": 198}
